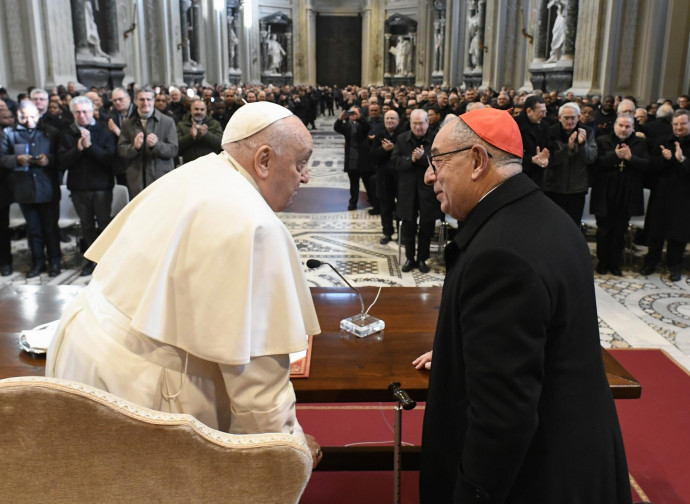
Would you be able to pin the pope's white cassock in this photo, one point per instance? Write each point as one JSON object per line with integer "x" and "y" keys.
{"x": 198, "y": 298}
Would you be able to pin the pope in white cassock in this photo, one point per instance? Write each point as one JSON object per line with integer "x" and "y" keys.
{"x": 199, "y": 294}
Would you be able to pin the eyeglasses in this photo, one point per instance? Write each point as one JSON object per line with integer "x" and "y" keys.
{"x": 430, "y": 159}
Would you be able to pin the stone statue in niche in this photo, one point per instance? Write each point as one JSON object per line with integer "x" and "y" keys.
{"x": 187, "y": 32}
{"x": 92, "y": 38}
{"x": 473, "y": 28}
{"x": 558, "y": 31}
{"x": 438, "y": 42}
{"x": 233, "y": 42}
{"x": 403, "y": 55}
{"x": 275, "y": 54}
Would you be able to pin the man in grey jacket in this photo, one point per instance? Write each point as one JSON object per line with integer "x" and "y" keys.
{"x": 148, "y": 143}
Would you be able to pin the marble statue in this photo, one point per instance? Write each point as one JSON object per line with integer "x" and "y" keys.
{"x": 403, "y": 53}
{"x": 438, "y": 42}
{"x": 275, "y": 54}
{"x": 558, "y": 31}
{"x": 233, "y": 43}
{"x": 473, "y": 28}
{"x": 92, "y": 38}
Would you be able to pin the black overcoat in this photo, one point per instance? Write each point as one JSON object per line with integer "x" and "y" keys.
{"x": 519, "y": 408}
{"x": 619, "y": 187}
{"x": 356, "y": 144}
{"x": 413, "y": 193}
{"x": 669, "y": 207}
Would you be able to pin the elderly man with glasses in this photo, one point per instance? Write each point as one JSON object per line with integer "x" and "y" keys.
{"x": 517, "y": 383}
{"x": 415, "y": 199}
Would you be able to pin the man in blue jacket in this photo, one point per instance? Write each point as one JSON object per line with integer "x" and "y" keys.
{"x": 28, "y": 149}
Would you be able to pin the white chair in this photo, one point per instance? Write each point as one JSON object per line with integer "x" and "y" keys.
{"x": 70, "y": 220}
{"x": 16, "y": 216}
{"x": 68, "y": 215}
{"x": 120, "y": 199}
{"x": 589, "y": 221}
{"x": 636, "y": 223}
{"x": 66, "y": 442}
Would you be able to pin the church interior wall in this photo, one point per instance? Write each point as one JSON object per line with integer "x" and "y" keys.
{"x": 637, "y": 47}
{"x": 675, "y": 55}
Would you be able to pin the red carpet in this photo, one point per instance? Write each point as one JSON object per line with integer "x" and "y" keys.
{"x": 656, "y": 430}
{"x": 656, "y": 427}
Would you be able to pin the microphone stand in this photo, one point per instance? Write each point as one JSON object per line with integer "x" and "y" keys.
{"x": 362, "y": 324}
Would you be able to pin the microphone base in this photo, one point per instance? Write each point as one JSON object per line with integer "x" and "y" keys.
{"x": 362, "y": 325}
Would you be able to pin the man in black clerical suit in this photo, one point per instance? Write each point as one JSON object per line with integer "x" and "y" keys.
{"x": 519, "y": 408}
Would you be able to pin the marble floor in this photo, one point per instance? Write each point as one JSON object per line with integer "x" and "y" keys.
{"x": 634, "y": 311}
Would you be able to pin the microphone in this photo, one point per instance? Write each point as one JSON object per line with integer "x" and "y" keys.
{"x": 315, "y": 263}
{"x": 401, "y": 396}
{"x": 360, "y": 325}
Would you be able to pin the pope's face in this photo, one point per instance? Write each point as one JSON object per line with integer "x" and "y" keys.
{"x": 291, "y": 168}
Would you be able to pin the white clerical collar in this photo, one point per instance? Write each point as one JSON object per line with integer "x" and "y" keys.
{"x": 237, "y": 166}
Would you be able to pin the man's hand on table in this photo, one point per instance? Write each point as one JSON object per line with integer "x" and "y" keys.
{"x": 423, "y": 361}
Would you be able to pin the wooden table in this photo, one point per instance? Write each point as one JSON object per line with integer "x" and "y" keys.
{"x": 344, "y": 368}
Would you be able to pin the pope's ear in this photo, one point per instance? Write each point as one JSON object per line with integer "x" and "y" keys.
{"x": 262, "y": 159}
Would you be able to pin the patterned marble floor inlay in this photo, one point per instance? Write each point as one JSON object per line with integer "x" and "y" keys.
{"x": 635, "y": 311}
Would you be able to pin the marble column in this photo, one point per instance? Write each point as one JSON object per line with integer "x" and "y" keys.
{"x": 570, "y": 29}
{"x": 79, "y": 27}
{"x": 456, "y": 42}
{"x": 367, "y": 51}
{"x": 195, "y": 39}
{"x": 482, "y": 27}
{"x": 540, "y": 37}
{"x": 288, "y": 53}
{"x": 388, "y": 59}
{"x": 185, "y": 5}
{"x": 112, "y": 29}
{"x": 310, "y": 41}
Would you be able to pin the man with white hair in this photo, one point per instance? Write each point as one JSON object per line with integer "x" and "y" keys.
{"x": 572, "y": 148}
{"x": 517, "y": 383}
{"x": 626, "y": 107}
{"x": 199, "y": 291}
{"x": 87, "y": 151}
{"x": 415, "y": 199}
{"x": 386, "y": 176}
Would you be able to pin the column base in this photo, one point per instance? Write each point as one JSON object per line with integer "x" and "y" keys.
{"x": 276, "y": 79}
{"x": 398, "y": 81}
{"x": 472, "y": 78}
{"x": 556, "y": 76}
{"x": 193, "y": 75}
{"x": 100, "y": 73}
